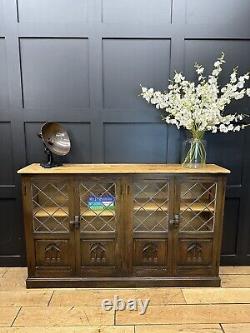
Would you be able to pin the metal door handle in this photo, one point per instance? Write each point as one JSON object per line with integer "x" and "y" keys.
{"x": 175, "y": 221}
{"x": 75, "y": 224}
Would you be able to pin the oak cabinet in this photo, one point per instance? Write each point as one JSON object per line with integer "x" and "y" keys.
{"x": 123, "y": 225}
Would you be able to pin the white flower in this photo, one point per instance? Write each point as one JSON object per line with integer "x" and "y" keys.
{"x": 239, "y": 95}
{"x": 244, "y": 77}
{"x": 154, "y": 101}
{"x": 200, "y": 70}
{"x": 233, "y": 78}
{"x": 178, "y": 77}
{"x": 222, "y": 128}
{"x": 200, "y": 107}
{"x": 212, "y": 80}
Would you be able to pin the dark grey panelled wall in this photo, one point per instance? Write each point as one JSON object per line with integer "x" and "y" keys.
{"x": 81, "y": 62}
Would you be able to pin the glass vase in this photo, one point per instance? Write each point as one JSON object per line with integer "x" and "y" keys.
{"x": 194, "y": 153}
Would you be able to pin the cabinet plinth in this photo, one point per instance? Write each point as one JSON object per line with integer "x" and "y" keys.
{"x": 123, "y": 225}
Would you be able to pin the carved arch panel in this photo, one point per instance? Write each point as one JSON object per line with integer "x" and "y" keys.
{"x": 194, "y": 252}
{"x": 150, "y": 252}
{"x": 52, "y": 253}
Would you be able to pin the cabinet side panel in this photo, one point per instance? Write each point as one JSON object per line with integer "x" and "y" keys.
{"x": 27, "y": 220}
{"x": 220, "y": 204}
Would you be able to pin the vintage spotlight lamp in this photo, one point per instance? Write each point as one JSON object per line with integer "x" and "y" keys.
{"x": 56, "y": 142}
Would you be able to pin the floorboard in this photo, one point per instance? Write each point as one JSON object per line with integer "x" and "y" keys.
{"x": 171, "y": 310}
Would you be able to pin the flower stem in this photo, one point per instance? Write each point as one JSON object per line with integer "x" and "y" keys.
{"x": 196, "y": 155}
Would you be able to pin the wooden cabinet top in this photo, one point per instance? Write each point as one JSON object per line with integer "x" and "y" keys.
{"x": 122, "y": 168}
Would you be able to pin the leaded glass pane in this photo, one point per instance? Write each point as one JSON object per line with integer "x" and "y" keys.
{"x": 198, "y": 204}
{"x": 150, "y": 206}
{"x": 50, "y": 207}
{"x": 98, "y": 206}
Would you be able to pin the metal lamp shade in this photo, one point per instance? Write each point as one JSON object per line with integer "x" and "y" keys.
{"x": 55, "y": 138}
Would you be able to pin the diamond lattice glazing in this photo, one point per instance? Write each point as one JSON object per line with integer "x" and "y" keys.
{"x": 151, "y": 206}
{"x": 198, "y": 206}
{"x": 50, "y": 207}
{"x": 103, "y": 217}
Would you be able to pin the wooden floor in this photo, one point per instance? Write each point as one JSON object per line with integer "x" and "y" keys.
{"x": 171, "y": 310}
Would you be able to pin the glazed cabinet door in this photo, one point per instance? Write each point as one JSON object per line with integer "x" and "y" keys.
{"x": 99, "y": 229}
{"x": 149, "y": 241}
{"x": 48, "y": 212}
{"x": 197, "y": 225}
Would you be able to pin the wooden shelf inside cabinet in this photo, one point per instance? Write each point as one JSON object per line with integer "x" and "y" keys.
{"x": 160, "y": 207}
{"x": 51, "y": 211}
{"x": 62, "y": 212}
{"x": 90, "y": 212}
{"x": 197, "y": 207}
